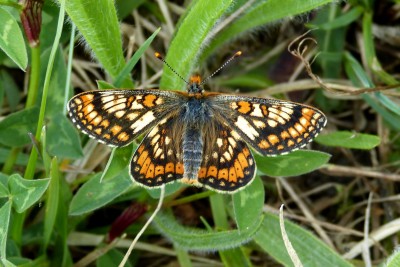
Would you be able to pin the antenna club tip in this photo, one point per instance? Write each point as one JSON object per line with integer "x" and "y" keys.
{"x": 158, "y": 55}
{"x": 238, "y": 53}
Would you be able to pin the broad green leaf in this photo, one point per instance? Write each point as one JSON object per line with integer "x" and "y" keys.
{"x": 3, "y": 191}
{"x": 62, "y": 138}
{"x": 296, "y": 163}
{"x": 5, "y": 213}
{"x": 10, "y": 89}
{"x": 95, "y": 194}
{"x": 51, "y": 202}
{"x": 92, "y": 17}
{"x": 259, "y": 14}
{"x": 25, "y": 193}
{"x": 14, "y": 129}
{"x": 394, "y": 259}
{"x": 11, "y": 40}
{"x": 119, "y": 159}
{"x": 311, "y": 251}
{"x": 248, "y": 204}
{"x": 200, "y": 240}
{"x": 169, "y": 190}
{"x": 349, "y": 140}
{"x": 235, "y": 257}
{"x": 191, "y": 36}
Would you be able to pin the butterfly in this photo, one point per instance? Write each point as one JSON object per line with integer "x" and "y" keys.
{"x": 195, "y": 137}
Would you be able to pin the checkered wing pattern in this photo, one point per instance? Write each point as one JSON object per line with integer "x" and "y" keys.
{"x": 271, "y": 127}
{"x": 116, "y": 117}
{"x": 230, "y": 165}
{"x": 158, "y": 158}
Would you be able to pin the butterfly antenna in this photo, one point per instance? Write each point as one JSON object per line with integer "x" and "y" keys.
{"x": 237, "y": 54}
{"x": 158, "y": 55}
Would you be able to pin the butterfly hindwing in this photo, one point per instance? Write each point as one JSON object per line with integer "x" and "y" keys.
{"x": 157, "y": 160}
{"x": 270, "y": 126}
{"x": 229, "y": 165}
{"x": 116, "y": 117}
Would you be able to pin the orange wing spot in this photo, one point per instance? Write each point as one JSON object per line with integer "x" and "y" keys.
{"x": 223, "y": 174}
{"x": 89, "y": 127}
{"x": 285, "y": 135}
{"x": 140, "y": 149}
{"x": 239, "y": 170}
{"x": 129, "y": 101}
{"x": 232, "y": 175}
{"x": 195, "y": 79}
{"x": 263, "y": 144}
{"x": 150, "y": 172}
{"x": 264, "y": 110}
{"x": 311, "y": 128}
{"x": 243, "y": 160}
{"x": 280, "y": 147}
{"x": 123, "y": 137}
{"x": 245, "y": 107}
{"x": 290, "y": 143}
{"x": 98, "y": 131}
{"x": 304, "y": 122}
{"x": 305, "y": 135}
{"x": 97, "y": 120}
{"x": 116, "y": 129}
{"x": 149, "y": 100}
{"x": 84, "y": 122}
{"x": 87, "y": 97}
{"x": 80, "y": 115}
{"x": 105, "y": 123}
{"x": 145, "y": 166}
{"x": 179, "y": 168}
{"x": 212, "y": 171}
{"x": 299, "y": 140}
{"x": 159, "y": 170}
{"x": 202, "y": 173}
{"x": 293, "y": 132}
{"x": 107, "y": 136}
{"x": 246, "y": 152}
{"x": 170, "y": 167}
{"x": 273, "y": 139}
{"x": 143, "y": 157}
{"x": 307, "y": 112}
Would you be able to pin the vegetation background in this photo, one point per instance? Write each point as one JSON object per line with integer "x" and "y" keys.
{"x": 65, "y": 198}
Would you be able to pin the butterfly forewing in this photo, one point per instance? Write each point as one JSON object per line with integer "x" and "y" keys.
{"x": 229, "y": 164}
{"x": 271, "y": 127}
{"x": 116, "y": 117}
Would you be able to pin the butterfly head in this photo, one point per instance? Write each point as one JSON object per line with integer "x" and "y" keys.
{"x": 194, "y": 85}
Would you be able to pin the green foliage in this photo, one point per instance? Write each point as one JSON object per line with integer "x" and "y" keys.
{"x": 349, "y": 140}
{"x": 55, "y": 182}
{"x": 11, "y": 39}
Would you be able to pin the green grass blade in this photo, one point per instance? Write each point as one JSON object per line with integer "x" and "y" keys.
{"x": 92, "y": 17}
{"x": 134, "y": 59}
{"x": 259, "y": 14}
{"x": 192, "y": 35}
{"x": 51, "y": 202}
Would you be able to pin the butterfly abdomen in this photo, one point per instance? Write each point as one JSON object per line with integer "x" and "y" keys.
{"x": 192, "y": 146}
